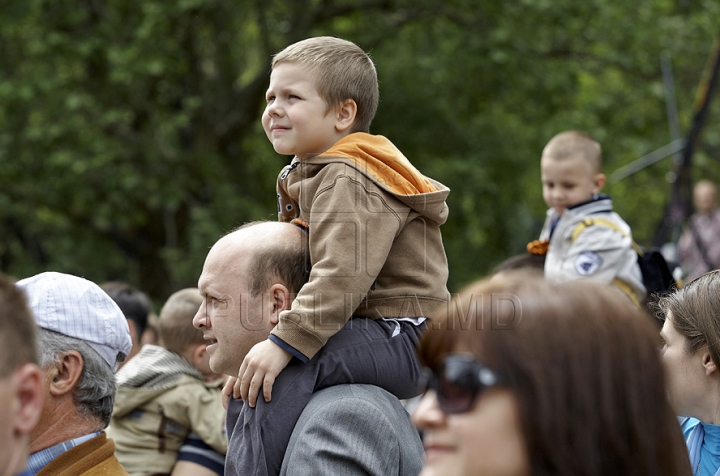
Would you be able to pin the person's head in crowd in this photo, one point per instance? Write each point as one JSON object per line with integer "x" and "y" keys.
{"x": 691, "y": 333}
{"x": 150, "y": 335}
{"x": 529, "y": 377}
{"x": 250, "y": 275}
{"x": 21, "y": 380}
{"x": 136, "y": 307}
{"x": 82, "y": 337}
{"x": 525, "y": 261}
{"x": 570, "y": 169}
{"x": 338, "y": 87}
{"x": 705, "y": 196}
{"x": 177, "y": 334}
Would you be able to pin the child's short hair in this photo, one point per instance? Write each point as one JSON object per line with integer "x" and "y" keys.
{"x": 570, "y": 144}
{"x": 524, "y": 261}
{"x": 343, "y": 71}
{"x": 175, "y": 329}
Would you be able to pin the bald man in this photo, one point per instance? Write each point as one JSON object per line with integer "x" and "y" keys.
{"x": 248, "y": 279}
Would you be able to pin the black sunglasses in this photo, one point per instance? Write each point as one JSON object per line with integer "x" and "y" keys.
{"x": 458, "y": 381}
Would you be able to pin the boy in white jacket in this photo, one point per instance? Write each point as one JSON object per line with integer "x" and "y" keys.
{"x": 582, "y": 236}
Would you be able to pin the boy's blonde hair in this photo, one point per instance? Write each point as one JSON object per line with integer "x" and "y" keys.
{"x": 342, "y": 70}
{"x": 175, "y": 329}
{"x": 570, "y": 144}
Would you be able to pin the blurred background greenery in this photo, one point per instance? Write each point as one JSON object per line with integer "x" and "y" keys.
{"x": 130, "y": 134}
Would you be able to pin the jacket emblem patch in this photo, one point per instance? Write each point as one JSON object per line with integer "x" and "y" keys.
{"x": 587, "y": 262}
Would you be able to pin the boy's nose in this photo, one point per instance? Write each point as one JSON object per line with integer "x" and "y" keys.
{"x": 273, "y": 109}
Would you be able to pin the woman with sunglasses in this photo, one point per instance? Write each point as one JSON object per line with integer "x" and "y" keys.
{"x": 526, "y": 377}
{"x": 691, "y": 333}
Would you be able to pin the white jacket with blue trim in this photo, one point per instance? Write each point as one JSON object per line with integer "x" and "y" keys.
{"x": 598, "y": 253}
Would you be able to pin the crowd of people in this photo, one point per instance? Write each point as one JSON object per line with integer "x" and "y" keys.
{"x": 306, "y": 339}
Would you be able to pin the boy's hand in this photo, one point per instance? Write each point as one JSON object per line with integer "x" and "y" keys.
{"x": 228, "y": 390}
{"x": 260, "y": 367}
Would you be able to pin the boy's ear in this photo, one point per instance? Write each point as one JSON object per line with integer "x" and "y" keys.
{"x": 345, "y": 115}
{"x": 599, "y": 182}
{"x": 197, "y": 353}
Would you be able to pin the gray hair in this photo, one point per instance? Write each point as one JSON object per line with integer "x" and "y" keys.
{"x": 94, "y": 394}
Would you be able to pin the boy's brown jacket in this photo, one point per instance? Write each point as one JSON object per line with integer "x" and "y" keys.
{"x": 374, "y": 234}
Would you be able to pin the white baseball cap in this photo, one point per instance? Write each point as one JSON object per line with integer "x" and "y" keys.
{"x": 79, "y": 308}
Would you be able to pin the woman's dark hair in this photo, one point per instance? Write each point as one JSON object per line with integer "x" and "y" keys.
{"x": 584, "y": 365}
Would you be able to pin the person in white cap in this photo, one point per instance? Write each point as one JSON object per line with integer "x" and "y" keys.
{"x": 82, "y": 337}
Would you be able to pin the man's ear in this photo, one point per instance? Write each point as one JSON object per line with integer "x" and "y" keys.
{"x": 708, "y": 363}
{"x": 279, "y": 301}
{"x": 27, "y": 397}
{"x": 599, "y": 182}
{"x": 64, "y": 375}
{"x": 345, "y": 115}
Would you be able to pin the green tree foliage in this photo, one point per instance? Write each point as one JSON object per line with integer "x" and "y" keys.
{"x": 130, "y": 136}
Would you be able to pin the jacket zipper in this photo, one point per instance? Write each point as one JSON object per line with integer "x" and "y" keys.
{"x": 288, "y": 170}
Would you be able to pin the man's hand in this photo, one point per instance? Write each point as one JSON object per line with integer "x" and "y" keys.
{"x": 260, "y": 368}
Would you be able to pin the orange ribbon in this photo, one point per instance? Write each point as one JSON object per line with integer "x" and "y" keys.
{"x": 538, "y": 247}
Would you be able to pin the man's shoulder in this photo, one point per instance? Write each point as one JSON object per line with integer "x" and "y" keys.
{"x": 339, "y": 395}
{"x": 364, "y": 396}
{"x": 368, "y": 407}
{"x": 349, "y": 427}
{"x": 93, "y": 457}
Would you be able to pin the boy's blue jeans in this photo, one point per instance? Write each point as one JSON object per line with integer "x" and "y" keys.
{"x": 363, "y": 351}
